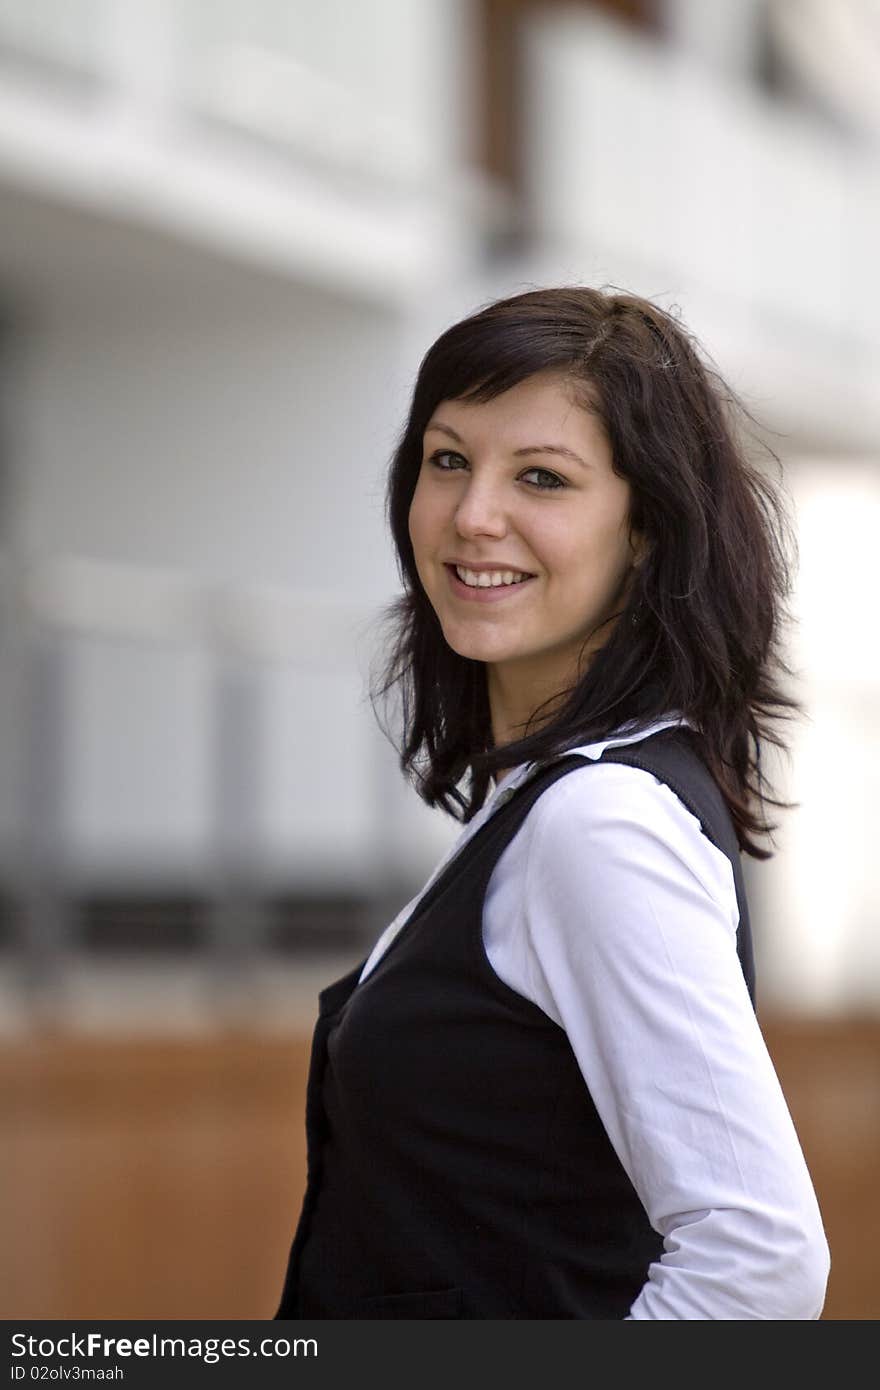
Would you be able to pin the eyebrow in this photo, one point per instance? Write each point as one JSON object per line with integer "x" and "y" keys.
{"x": 518, "y": 453}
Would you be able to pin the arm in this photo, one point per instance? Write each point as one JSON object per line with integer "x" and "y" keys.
{"x": 631, "y": 917}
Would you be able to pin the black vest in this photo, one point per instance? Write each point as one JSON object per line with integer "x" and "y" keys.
{"x": 457, "y": 1166}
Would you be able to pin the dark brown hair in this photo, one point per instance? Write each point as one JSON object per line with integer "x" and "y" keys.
{"x": 707, "y": 600}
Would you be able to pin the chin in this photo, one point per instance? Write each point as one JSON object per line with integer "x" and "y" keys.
{"x": 467, "y": 645}
{"x": 489, "y": 656}
{"x": 472, "y": 651}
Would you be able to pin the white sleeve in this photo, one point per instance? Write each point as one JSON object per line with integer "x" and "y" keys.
{"x": 628, "y": 911}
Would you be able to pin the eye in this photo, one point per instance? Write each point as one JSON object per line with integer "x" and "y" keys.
{"x": 443, "y": 454}
{"x": 448, "y": 461}
{"x": 548, "y": 482}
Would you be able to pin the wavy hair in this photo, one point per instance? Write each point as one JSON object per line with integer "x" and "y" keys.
{"x": 699, "y": 633}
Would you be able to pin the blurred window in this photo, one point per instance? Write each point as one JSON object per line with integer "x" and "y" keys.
{"x": 499, "y": 74}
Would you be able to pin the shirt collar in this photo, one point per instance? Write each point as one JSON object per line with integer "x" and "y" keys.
{"x": 631, "y": 732}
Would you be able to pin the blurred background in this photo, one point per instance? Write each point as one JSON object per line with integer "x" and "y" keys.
{"x": 229, "y": 229}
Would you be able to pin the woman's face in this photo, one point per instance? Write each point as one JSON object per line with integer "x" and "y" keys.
{"x": 521, "y": 485}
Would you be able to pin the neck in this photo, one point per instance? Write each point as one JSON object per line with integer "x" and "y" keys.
{"x": 512, "y": 703}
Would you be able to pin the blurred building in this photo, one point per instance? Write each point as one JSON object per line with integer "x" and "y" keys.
{"x": 228, "y": 232}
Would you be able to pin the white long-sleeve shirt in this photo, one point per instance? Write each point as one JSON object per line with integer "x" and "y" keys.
{"x": 617, "y": 916}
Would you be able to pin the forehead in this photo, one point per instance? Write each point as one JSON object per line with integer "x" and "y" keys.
{"x": 545, "y": 408}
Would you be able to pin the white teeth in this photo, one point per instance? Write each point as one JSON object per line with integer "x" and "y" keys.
{"x": 489, "y": 579}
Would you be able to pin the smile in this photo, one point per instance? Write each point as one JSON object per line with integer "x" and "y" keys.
{"x": 486, "y": 586}
{"x": 486, "y": 579}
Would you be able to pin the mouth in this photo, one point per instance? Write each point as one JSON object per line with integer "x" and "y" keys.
{"x": 487, "y": 586}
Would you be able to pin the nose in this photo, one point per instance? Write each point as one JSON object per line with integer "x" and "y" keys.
{"x": 480, "y": 511}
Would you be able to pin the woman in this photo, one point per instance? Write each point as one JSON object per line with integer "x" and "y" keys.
{"x": 545, "y": 1094}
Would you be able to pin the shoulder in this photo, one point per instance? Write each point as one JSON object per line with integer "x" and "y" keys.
{"x": 614, "y": 820}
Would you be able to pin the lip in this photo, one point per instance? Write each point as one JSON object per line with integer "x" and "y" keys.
{"x": 488, "y": 595}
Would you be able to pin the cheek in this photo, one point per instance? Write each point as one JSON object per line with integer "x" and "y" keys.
{"x": 426, "y": 516}
{"x": 592, "y": 558}
{"x": 422, "y": 528}
{"x": 414, "y": 523}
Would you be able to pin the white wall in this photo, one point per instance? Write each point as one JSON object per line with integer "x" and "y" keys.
{"x": 242, "y": 440}
{"x": 820, "y": 897}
